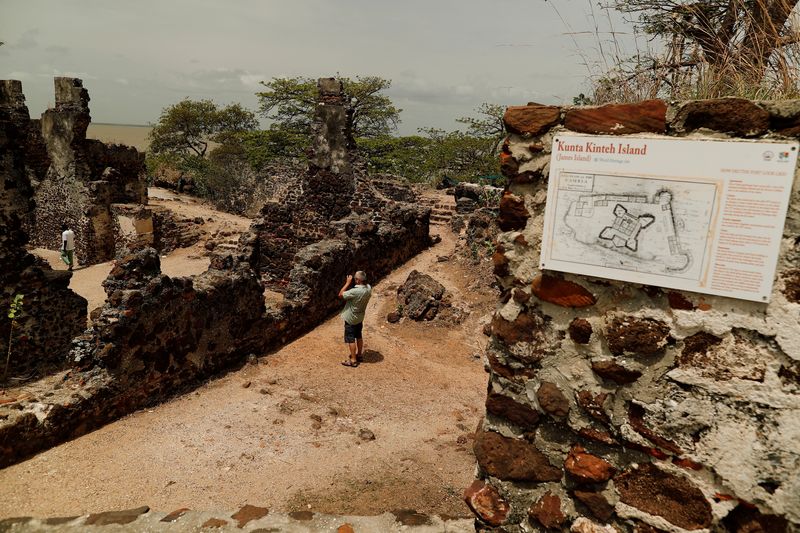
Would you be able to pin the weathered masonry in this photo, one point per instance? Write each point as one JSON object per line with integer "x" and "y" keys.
{"x": 625, "y": 405}
{"x": 82, "y": 178}
{"x": 156, "y": 335}
{"x": 53, "y": 313}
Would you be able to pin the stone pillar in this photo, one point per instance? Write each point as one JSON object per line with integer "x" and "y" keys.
{"x": 52, "y": 313}
{"x": 331, "y": 136}
{"x": 644, "y": 408}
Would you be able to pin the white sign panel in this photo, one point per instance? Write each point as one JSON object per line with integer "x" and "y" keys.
{"x": 698, "y": 215}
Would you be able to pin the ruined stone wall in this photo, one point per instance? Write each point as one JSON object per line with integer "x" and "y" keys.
{"x": 53, "y": 314}
{"x": 157, "y": 335}
{"x": 644, "y": 408}
{"x": 83, "y": 177}
{"x": 333, "y": 186}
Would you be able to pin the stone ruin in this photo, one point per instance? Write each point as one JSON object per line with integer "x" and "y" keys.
{"x": 80, "y": 179}
{"x": 643, "y": 409}
{"x": 156, "y": 335}
{"x": 53, "y": 314}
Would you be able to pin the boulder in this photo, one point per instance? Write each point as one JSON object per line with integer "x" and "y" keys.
{"x": 420, "y": 296}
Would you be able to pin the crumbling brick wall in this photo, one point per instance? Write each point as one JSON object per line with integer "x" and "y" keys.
{"x": 644, "y": 408}
{"x": 53, "y": 314}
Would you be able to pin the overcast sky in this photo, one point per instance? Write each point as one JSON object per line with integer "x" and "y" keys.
{"x": 444, "y": 57}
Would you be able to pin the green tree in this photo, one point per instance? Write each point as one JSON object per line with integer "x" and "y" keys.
{"x": 290, "y": 104}
{"x": 406, "y": 157}
{"x": 459, "y": 155}
{"x": 188, "y": 127}
{"x": 488, "y": 123}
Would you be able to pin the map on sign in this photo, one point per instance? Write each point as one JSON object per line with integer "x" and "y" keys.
{"x": 631, "y": 223}
{"x": 703, "y": 215}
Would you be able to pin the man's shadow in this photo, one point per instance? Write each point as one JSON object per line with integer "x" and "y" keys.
{"x": 371, "y": 356}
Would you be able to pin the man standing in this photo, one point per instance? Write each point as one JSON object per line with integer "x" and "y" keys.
{"x": 67, "y": 245}
{"x": 356, "y": 300}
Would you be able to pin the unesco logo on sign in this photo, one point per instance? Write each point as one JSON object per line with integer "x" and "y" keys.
{"x": 768, "y": 155}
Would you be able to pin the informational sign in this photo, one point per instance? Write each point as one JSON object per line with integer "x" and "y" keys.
{"x": 699, "y": 215}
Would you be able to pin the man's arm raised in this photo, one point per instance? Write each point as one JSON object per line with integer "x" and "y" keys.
{"x": 346, "y": 285}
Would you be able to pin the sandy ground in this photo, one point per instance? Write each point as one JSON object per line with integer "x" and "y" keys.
{"x": 286, "y": 433}
{"x": 87, "y": 281}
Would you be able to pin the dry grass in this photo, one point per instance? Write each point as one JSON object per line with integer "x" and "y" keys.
{"x": 705, "y": 49}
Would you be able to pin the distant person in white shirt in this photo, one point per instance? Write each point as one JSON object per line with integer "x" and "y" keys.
{"x": 67, "y": 245}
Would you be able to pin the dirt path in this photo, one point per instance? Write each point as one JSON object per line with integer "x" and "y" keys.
{"x": 87, "y": 281}
{"x": 287, "y": 433}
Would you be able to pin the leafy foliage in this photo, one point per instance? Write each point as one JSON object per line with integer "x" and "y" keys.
{"x": 290, "y": 103}
{"x": 14, "y": 312}
{"x": 437, "y": 153}
{"x": 15, "y": 307}
{"x": 188, "y": 127}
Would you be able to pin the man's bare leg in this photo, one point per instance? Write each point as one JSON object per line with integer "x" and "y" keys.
{"x": 353, "y": 356}
{"x": 360, "y": 351}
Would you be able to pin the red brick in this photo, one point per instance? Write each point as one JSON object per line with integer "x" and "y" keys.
{"x": 484, "y": 500}
{"x": 552, "y": 400}
{"x": 500, "y": 263}
{"x": 531, "y": 119}
{"x": 679, "y": 301}
{"x": 619, "y": 119}
{"x": 586, "y": 467}
{"x": 674, "y": 498}
{"x": 561, "y": 292}
{"x": 547, "y": 511}
{"x": 512, "y": 459}
{"x": 730, "y": 115}
{"x": 636, "y": 336}
{"x": 597, "y": 435}
{"x": 593, "y": 404}
{"x": 513, "y": 214}
{"x": 580, "y": 331}
{"x": 611, "y": 370}
{"x": 505, "y": 407}
{"x": 636, "y": 414}
{"x": 248, "y": 513}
